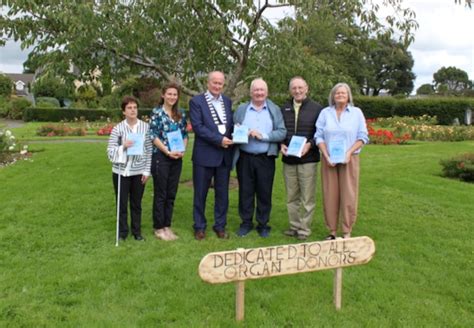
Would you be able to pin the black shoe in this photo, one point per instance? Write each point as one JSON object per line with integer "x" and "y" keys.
{"x": 139, "y": 238}
{"x": 330, "y": 237}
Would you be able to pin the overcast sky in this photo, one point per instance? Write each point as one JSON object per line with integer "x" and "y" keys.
{"x": 445, "y": 38}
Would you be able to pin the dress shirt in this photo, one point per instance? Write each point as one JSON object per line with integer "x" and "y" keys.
{"x": 350, "y": 126}
{"x": 260, "y": 121}
{"x": 217, "y": 104}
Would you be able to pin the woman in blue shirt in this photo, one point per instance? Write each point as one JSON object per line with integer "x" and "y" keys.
{"x": 167, "y": 158}
{"x": 341, "y": 132}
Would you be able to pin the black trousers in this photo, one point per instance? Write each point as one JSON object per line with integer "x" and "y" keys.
{"x": 166, "y": 173}
{"x": 130, "y": 188}
{"x": 255, "y": 174}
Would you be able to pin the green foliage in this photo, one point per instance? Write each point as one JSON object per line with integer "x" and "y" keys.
{"x": 111, "y": 101}
{"x": 406, "y": 120}
{"x": 87, "y": 94}
{"x": 425, "y": 89}
{"x": 459, "y": 167}
{"x": 3, "y": 106}
{"x": 16, "y": 107}
{"x": 146, "y": 37}
{"x": 445, "y": 109}
{"x": 451, "y": 80}
{"x": 47, "y": 102}
{"x": 53, "y": 86}
{"x": 62, "y": 114}
{"x": 6, "y": 86}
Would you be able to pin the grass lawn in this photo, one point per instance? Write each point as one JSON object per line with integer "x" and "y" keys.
{"x": 59, "y": 265}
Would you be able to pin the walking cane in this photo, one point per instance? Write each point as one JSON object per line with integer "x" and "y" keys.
{"x": 118, "y": 198}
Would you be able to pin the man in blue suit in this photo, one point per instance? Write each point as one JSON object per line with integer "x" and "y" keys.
{"x": 211, "y": 119}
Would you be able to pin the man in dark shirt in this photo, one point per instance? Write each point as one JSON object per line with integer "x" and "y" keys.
{"x": 300, "y": 114}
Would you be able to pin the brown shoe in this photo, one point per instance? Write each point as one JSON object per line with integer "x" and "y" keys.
{"x": 199, "y": 235}
{"x": 222, "y": 234}
{"x": 301, "y": 237}
{"x": 290, "y": 233}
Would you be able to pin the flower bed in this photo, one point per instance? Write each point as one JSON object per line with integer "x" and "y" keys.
{"x": 459, "y": 167}
{"x": 51, "y": 130}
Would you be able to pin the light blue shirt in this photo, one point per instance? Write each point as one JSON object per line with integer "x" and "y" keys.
{"x": 262, "y": 122}
{"x": 351, "y": 126}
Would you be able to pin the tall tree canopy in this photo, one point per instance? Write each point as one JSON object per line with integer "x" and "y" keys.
{"x": 454, "y": 79}
{"x": 176, "y": 40}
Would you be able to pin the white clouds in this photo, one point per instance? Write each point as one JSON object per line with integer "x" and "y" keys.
{"x": 444, "y": 38}
{"x": 12, "y": 57}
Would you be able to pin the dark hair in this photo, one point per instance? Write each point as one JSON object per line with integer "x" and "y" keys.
{"x": 175, "y": 113}
{"x": 127, "y": 100}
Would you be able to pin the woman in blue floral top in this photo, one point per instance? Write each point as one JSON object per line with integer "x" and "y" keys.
{"x": 166, "y": 162}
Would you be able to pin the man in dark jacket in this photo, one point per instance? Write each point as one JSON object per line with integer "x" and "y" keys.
{"x": 300, "y": 114}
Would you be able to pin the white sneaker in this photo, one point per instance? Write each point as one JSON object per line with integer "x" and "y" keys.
{"x": 161, "y": 234}
{"x": 170, "y": 234}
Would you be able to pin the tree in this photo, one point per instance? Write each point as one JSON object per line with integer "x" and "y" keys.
{"x": 6, "y": 86}
{"x": 175, "y": 40}
{"x": 390, "y": 66}
{"x": 52, "y": 86}
{"x": 453, "y": 79}
{"x": 425, "y": 89}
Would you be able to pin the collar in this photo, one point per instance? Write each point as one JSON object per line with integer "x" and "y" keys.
{"x": 209, "y": 94}
{"x": 252, "y": 107}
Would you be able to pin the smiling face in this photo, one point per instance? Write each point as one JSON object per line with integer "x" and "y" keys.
{"x": 341, "y": 96}
{"x": 215, "y": 83}
{"x": 298, "y": 90}
{"x": 170, "y": 97}
{"x": 258, "y": 92}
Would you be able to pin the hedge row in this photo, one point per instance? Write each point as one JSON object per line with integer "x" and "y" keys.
{"x": 68, "y": 114}
{"x": 445, "y": 109}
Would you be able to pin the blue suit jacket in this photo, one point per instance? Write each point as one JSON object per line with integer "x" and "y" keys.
{"x": 207, "y": 150}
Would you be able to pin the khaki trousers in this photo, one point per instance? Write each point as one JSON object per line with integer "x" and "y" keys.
{"x": 300, "y": 182}
{"x": 340, "y": 194}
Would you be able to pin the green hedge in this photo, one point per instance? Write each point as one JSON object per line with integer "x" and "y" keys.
{"x": 445, "y": 109}
{"x": 69, "y": 114}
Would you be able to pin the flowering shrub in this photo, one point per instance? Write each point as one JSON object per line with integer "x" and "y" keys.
{"x": 9, "y": 148}
{"x": 51, "y": 130}
{"x": 406, "y": 121}
{"x": 441, "y": 132}
{"x": 460, "y": 167}
{"x": 386, "y": 137}
{"x": 105, "y": 130}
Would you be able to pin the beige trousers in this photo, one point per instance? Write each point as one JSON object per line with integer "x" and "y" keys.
{"x": 340, "y": 194}
{"x": 300, "y": 182}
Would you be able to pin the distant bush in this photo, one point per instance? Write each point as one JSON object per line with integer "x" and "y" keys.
{"x": 459, "y": 167}
{"x": 3, "y": 106}
{"x": 47, "y": 102}
{"x": 110, "y": 102}
{"x": 6, "y": 86}
{"x": 52, "y": 130}
{"x": 445, "y": 109}
{"x": 16, "y": 108}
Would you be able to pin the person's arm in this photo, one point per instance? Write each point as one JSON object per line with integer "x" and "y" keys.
{"x": 319, "y": 137}
{"x": 115, "y": 148}
{"x": 362, "y": 137}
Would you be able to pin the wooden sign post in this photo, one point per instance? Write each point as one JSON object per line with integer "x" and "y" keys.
{"x": 256, "y": 263}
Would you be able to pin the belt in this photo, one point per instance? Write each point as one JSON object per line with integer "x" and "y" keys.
{"x": 253, "y": 155}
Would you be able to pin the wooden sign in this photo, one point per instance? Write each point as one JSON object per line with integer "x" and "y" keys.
{"x": 256, "y": 263}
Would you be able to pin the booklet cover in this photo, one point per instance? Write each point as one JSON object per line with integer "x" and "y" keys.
{"x": 241, "y": 134}
{"x": 337, "y": 151}
{"x": 137, "y": 147}
{"x": 175, "y": 141}
{"x": 295, "y": 148}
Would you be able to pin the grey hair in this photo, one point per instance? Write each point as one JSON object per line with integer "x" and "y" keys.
{"x": 210, "y": 74}
{"x": 258, "y": 79}
{"x": 333, "y": 92}
{"x": 297, "y": 78}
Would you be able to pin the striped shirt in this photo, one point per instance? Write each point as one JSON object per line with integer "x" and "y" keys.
{"x": 134, "y": 164}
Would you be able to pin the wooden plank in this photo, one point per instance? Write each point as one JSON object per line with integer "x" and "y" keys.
{"x": 239, "y": 300}
{"x": 257, "y": 263}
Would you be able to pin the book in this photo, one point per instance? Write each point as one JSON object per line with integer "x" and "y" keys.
{"x": 175, "y": 141}
{"x": 137, "y": 147}
{"x": 337, "y": 151}
{"x": 241, "y": 134}
{"x": 295, "y": 148}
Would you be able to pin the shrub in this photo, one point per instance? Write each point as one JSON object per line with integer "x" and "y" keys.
{"x": 3, "y": 106}
{"x": 51, "y": 130}
{"x": 386, "y": 137}
{"x": 69, "y": 114}
{"x": 105, "y": 130}
{"x": 6, "y": 86}
{"x": 110, "y": 102}
{"x": 16, "y": 107}
{"x": 47, "y": 102}
{"x": 460, "y": 167}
